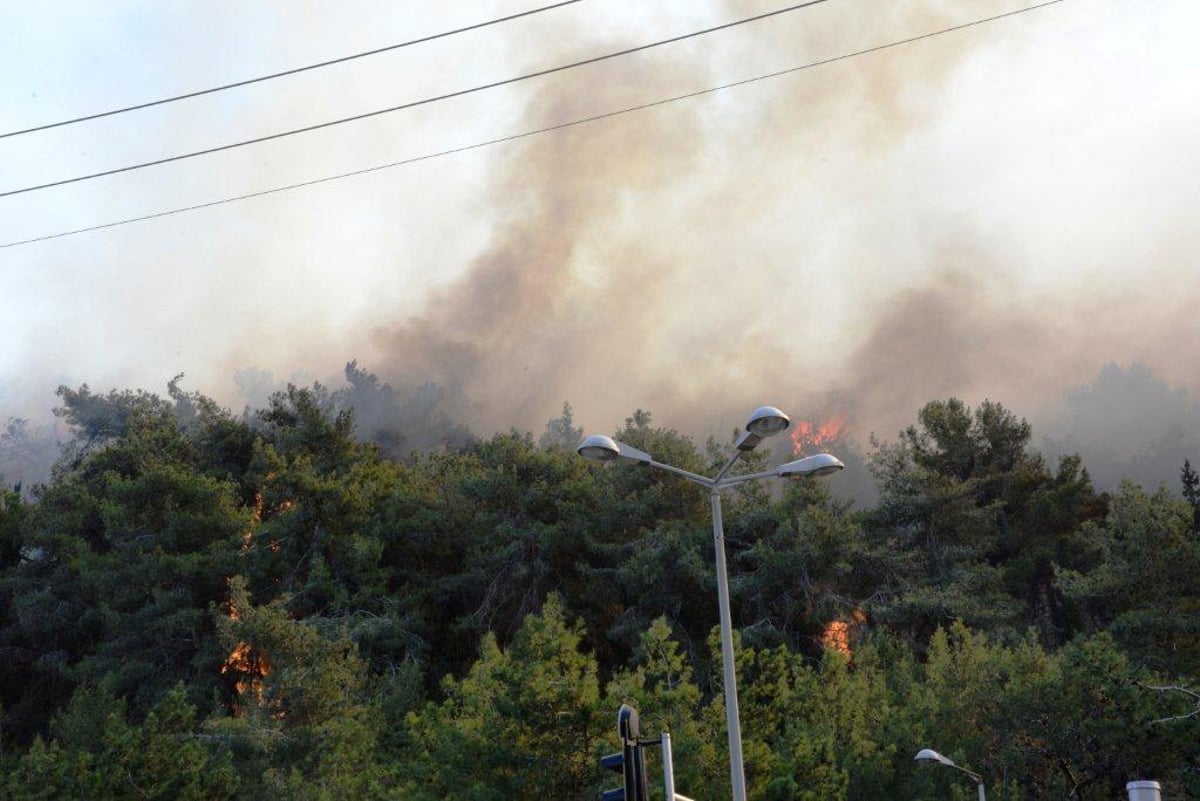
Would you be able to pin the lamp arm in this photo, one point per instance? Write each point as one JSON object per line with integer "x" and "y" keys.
{"x": 732, "y": 460}
{"x": 679, "y": 471}
{"x": 974, "y": 776}
{"x": 733, "y": 480}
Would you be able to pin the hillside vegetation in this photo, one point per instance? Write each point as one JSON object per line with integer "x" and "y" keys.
{"x": 204, "y": 605}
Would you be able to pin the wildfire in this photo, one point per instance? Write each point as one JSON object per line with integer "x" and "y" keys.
{"x": 838, "y": 633}
{"x": 837, "y": 637}
{"x": 813, "y": 436}
{"x": 249, "y": 665}
{"x": 256, "y": 518}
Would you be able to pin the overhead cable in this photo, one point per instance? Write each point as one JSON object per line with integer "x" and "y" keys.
{"x": 248, "y": 81}
{"x": 412, "y": 104}
{"x": 525, "y": 134}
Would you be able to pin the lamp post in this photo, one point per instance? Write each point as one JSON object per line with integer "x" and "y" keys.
{"x": 766, "y": 421}
{"x": 927, "y": 756}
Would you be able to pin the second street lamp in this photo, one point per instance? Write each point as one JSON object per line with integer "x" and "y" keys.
{"x": 764, "y": 422}
{"x": 927, "y": 756}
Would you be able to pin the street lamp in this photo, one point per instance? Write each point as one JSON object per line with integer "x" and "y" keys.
{"x": 765, "y": 421}
{"x": 927, "y": 756}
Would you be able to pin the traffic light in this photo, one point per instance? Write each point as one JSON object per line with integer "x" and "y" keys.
{"x": 630, "y": 762}
{"x": 616, "y": 762}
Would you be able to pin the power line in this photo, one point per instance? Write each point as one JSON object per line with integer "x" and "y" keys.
{"x": 525, "y": 134}
{"x": 284, "y": 73}
{"x": 413, "y": 104}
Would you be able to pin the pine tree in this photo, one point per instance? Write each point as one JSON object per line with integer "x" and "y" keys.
{"x": 1191, "y": 492}
{"x": 561, "y": 432}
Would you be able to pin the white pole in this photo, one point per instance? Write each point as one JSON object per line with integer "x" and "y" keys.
{"x": 1144, "y": 791}
{"x": 668, "y": 767}
{"x": 736, "y": 774}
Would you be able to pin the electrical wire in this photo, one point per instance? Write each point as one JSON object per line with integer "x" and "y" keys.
{"x": 548, "y": 129}
{"x": 284, "y": 73}
{"x": 413, "y": 104}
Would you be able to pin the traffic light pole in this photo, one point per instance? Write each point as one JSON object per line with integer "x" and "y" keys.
{"x": 630, "y": 762}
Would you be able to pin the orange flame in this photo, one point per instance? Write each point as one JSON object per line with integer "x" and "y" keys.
{"x": 837, "y": 637}
{"x": 258, "y": 511}
{"x": 255, "y": 518}
{"x": 838, "y": 633}
{"x": 812, "y": 436}
{"x": 252, "y": 667}
{"x": 248, "y": 664}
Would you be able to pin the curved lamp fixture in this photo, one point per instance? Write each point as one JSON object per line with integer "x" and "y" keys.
{"x": 600, "y": 448}
{"x": 927, "y": 756}
{"x": 767, "y": 421}
{"x": 821, "y": 464}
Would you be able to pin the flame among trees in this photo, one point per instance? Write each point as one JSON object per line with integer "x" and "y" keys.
{"x": 840, "y": 634}
{"x": 247, "y": 665}
{"x": 814, "y": 436}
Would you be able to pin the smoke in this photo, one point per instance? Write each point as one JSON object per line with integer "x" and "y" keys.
{"x": 994, "y": 213}
{"x": 833, "y": 242}
{"x": 1129, "y": 424}
{"x": 632, "y": 266}
{"x": 563, "y": 293}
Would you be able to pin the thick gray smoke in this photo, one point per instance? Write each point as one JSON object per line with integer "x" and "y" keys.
{"x": 1129, "y": 423}
{"x": 995, "y": 213}
{"x": 846, "y": 241}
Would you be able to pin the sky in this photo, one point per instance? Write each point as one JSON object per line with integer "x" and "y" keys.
{"x": 1002, "y": 212}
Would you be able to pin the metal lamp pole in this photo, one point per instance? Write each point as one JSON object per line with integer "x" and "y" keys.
{"x": 764, "y": 422}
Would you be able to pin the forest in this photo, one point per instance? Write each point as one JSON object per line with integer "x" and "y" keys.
{"x": 290, "y": 603}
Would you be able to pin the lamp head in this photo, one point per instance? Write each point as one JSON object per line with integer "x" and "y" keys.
{"x": 766, "y": 421}
{"x": 600, "y": 448}
{"x": 821, "y": 464}
{"x": 927, "y": 756}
